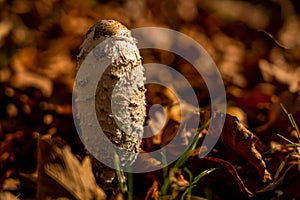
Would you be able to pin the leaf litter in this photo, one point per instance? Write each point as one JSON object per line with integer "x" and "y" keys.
{"x": 257, "y": 55}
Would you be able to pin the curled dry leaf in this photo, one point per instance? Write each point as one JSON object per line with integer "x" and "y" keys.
{"x": 238, "y": 138}
{"x": 231, "y": 176}
{"x": 235, "y": 135}
{"x": 288, "y": 182}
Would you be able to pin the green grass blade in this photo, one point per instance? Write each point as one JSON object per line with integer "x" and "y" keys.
{"x": 120, "y": 174}
{"x": 199, "y": 176}
{"x": 165, "y": 186}
{"x": 284, "y": 109}
{"x": 291, "y": 118}
{"x": 281, "y": 166}
{"x": 189, "y": 174}
{"x": 183, "y": 158}
{"x": 186, "y": 154}
{"x": 294, "y": 125}
{"x": 188, "y": 191}
{"x": 130, "y": 186}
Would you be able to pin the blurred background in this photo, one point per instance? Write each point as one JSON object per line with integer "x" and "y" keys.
{"x": 255, "y": 45}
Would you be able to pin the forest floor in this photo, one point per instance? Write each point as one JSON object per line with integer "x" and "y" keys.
{"x": 255, "y": 46}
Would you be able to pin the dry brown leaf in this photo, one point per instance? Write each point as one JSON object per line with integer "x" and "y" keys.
{"x": 230, "y": 175}
{"x": 288, "y": 183}
{"x": 60, "y": 174}
{"x": 153, "y": 191}
{"x": 237, "y": 137}
{"x": 29, "y": 79}
{"x": 282, "y": 72}
{"x": 11, "y": 184}
{"x": 277, "y": 119}
{"x": 177, "y": 180}
{"x": 8, "y": 196}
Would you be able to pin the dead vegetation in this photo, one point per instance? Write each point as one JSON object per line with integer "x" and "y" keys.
{"x": 256, "y": 48}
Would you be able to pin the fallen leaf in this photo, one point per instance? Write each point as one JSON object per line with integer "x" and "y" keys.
{"x": 60, "y": 174}
{"x": 277, "y": 119}
{"x": 153, "y": 192}
{"x": 238, "y": 138}
{"x": 8, "y": 196}
{"x": 178, "y": 180}
{"x": 288, "y": 183}
{"x": 11, "y": 184}
{"x": 226, "y": 172}
{"x": 234, "y": 135}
